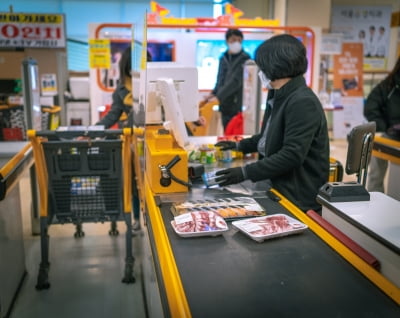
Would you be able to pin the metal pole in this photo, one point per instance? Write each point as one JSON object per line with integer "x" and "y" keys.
{"x": 30, "y": 85}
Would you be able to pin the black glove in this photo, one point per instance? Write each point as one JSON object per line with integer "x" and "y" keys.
{"x": 229, "y": 176}
{"x": 226, "y": 145}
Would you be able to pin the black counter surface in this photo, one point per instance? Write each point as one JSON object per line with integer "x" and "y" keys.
{"x": 294, "y": 276}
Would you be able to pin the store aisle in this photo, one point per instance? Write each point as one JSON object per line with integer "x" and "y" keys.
{"x": 85, "y": 276}
{"x": 85, "y": 273}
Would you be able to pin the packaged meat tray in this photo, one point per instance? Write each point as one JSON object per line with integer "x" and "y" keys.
{"x": 267, "y": 227}
{"x": 200, "y": 223}
{"x": 228, "y": 208}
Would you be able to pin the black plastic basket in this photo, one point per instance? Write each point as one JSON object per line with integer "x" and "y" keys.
{"x": 85, "y": 181}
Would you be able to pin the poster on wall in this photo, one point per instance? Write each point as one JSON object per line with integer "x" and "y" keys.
{"x": 348, "y": 70}
{"x": 369, "y": 25}
{"x": 32, "y": 30}
{"x": 348, "y": 84}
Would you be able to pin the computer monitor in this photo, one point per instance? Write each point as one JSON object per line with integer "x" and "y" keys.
{"x": 174, "y": 119}
{"x": 186, "y": 85}
{"x": 161, "y": 51}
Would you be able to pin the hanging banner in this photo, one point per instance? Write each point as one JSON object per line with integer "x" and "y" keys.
{"x": 369, "y": 25}
{"x": 32, "y": 30}
{"x": 160, "y": 15}
{"x": 348, "y": 70}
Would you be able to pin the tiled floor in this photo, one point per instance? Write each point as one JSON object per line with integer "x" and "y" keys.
{"x": 85, "y": 273}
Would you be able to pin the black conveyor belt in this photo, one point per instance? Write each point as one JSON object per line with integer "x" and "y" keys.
{"x": 294, "y": 276}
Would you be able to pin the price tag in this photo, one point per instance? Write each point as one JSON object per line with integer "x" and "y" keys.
{"x": 251, "y": 227}
{"x": 253, "y": 207}
{"x": 183, "y": 218}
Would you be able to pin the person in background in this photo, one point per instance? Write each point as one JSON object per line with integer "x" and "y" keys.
{"x": 383, "y": 107}
{"x": 381, "y": 43}
{"x": 293, "y": 144}
{"x": 229, "y": 85}
{"x": 122, "y": 111}
{"x": 363, "y": 40}
{"x": 121, "y": 108}
{"x": 371, "y": 41}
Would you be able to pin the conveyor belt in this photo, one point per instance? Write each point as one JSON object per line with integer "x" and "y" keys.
{"x": 296, "y": 276}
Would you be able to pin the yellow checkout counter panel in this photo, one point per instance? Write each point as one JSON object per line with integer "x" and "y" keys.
{"x": 230, "y": 275}
{"x": 15, "y": 159}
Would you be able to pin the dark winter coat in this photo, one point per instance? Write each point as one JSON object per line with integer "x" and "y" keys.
{"x": 229, "y": 85}
{"x": 297, "y": 145}
{"x": 121, "y": 103}
{"x": 383, "y": 104}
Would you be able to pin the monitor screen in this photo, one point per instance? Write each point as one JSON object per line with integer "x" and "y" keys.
{"x": 161, "y": 51}
{"x": 208, "y": 53}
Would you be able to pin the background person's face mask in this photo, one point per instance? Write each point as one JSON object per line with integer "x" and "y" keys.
{"x": 265, "y": 81}
{"x": 235, "y": 47}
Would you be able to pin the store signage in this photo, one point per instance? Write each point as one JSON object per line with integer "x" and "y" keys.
{"x": 49, "y": 84}
{"x": 99, "y": 53}
{"x": 159, "y": 16}
{"x": 32, "y": 30}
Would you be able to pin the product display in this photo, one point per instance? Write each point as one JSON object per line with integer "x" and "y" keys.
{"x": 228, "y": 208}
{"x": 267, "y": 227}
{"x": 200, "y": 223}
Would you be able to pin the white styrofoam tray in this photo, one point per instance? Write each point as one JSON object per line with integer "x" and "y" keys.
{"x": 270, "y": 226}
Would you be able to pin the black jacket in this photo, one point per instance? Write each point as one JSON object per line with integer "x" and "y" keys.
{"x": 121, "y": 103}
{"x": 229, "y": 85}
{"x": 297, "y": 145}
{"x": 383, "y": 105}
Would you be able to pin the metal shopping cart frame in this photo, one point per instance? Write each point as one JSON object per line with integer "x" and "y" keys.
{"x": 84, "y": 175}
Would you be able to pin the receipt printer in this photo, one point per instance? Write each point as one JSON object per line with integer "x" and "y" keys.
{"x": 344, "y": 192}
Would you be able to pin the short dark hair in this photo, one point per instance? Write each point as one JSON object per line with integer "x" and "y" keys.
{"x": 125, "y": 64}
{"x": 282, "y": 56}
{"x": 231, "y": 32}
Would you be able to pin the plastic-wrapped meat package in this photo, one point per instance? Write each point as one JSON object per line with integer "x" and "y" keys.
{"x": 267, "y": 227}
{"x": 199, "y": 223}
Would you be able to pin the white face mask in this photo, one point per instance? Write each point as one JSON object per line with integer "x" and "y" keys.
{"x": 266, "y": 82}
{"x": 235, "y": 47}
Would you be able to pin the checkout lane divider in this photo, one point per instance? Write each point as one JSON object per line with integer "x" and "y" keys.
{"x": 374, "y": 276}
{"x": 7, "y": 180}
{"x": 13, "y": 162}
{"x": 177, "y": 301}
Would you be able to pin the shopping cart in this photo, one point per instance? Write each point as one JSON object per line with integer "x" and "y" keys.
{"x": 83, "y": 180}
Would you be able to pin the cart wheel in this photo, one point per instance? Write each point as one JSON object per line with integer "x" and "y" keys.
{"x": 113, "y": 232}
{"x": 113, "y": 229}
{"x": 128, "y": 277}
{"x": 43, "y": 278}
{"x": 79, "y": 232}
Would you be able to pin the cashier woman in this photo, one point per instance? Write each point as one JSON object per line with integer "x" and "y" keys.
{"x": 293, "y": 145}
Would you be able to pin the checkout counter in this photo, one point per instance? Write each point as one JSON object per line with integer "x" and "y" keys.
{"x": 15, "y": 159}
{"x": 374, "y": 224}
{"x": 311, "y": 274}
